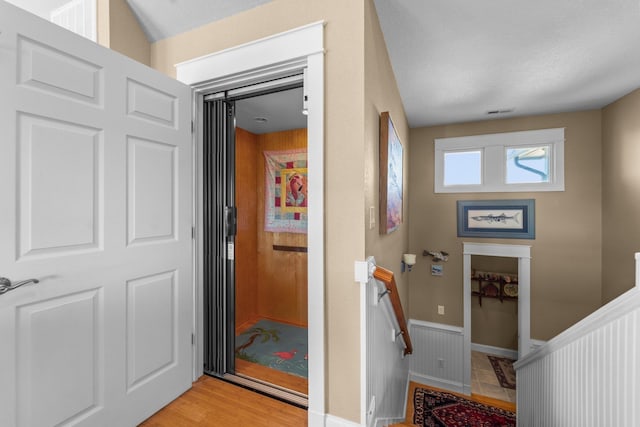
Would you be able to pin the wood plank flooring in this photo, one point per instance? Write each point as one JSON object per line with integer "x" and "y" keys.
{"x": 215, "y": 403}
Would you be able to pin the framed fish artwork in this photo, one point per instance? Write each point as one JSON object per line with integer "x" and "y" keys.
{"x": 497, "y": 219}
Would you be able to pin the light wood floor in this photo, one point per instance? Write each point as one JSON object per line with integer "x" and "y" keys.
{"x": 215, "y": 403}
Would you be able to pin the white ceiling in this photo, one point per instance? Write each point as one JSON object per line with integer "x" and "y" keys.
{"x": 165, "y": 18}
{"x": 281, "y": 110}
{"x": 455, "y": 60}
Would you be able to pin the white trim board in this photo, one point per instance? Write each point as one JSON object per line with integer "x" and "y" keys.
{"x": 264, "y": 59}
{"x": 496, "y": 351}
{"x": 333, "y": 421}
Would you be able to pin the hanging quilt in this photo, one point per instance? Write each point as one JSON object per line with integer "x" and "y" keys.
{"x": 285, "y": 207}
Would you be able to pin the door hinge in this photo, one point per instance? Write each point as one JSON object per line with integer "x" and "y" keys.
{"x": 193, "y": 233}
{"x": 193, "y": 339}
{"x": 192, "y": 127}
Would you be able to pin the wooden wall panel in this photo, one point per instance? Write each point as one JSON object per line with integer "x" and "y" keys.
{"x": 282, "y": 275}
{"x": 246, "y": 250}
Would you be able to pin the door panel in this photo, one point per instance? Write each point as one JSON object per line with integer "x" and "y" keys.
{"x": 67, "y": 189}
{"x": 45, "y": 329}
{"x": 151, "y": 185}
{"x": 95, "y": 183}
{"x": 151, "y": 303}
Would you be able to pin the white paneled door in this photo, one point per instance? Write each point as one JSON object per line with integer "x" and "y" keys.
{"x": 96, "y": 204}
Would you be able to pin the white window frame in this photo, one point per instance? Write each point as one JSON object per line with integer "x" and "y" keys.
{"x": 493, "y": 148}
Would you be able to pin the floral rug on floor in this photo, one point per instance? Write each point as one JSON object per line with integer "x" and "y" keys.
{"x": 275, "y": 345}
{"x": 503, "y": 367}
{"x": 439, "y": 409}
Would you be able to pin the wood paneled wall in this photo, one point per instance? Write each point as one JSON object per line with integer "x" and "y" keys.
{"x": 282, "y": 284}
{"x": 269, "y": 283}
{"x": 246, "y": 250}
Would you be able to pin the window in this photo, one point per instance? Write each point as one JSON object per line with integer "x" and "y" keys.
{"x": 463, "y": 167}
{"x": 501, "y": 162}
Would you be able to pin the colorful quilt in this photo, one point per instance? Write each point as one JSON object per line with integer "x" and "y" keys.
{"x": 286, "y": 191}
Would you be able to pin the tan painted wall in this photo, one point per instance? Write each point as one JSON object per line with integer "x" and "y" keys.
{"x": 494, "y": 322}
{"x": 620, "y": 194}
{"x": 566, "y": 254}
{"x": 381, "y": 94}
{"x": 344, "y": 154}
{"x": 118, "y": 29}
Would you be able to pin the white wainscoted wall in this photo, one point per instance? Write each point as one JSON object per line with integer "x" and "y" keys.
{"x": 589, "y": 375}
{"x": 438, "y": 352}
{"x": 385, "y": 369}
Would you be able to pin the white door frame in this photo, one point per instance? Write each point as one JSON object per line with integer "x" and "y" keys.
{"x": 523, "y": 253}
{"x": 250, "y": 63}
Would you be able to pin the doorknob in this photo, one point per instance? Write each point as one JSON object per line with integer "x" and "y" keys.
{"x": 6, "y": 285}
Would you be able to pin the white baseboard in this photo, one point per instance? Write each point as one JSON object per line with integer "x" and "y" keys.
{"x": 333, "y": 421}
{"x": 498, "y": 351}
{"x": 382, "y": 422}
{"x": 436, "y": 382}
{"x": 315, "y": 419}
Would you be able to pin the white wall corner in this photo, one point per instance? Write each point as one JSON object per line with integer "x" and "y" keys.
{"x": 361, "y": 269}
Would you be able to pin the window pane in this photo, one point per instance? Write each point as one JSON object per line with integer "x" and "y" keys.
{"x": 527, "y": 165}
{"x": 463, "y": 168}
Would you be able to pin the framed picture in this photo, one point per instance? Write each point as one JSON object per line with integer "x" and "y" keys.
{"x": 390, "y": 176}
{"x": 498, "y": 219}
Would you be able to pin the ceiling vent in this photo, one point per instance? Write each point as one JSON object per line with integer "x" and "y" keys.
{"x": 497, "y": 112}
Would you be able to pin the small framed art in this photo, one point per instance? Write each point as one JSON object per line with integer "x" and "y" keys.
{"x": 498, "y": 219}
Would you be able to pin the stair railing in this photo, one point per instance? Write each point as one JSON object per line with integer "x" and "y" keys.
{"x": 386, "y": 277}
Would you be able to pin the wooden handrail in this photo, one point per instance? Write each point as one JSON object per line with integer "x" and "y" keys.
{"x": 386, "y": 277}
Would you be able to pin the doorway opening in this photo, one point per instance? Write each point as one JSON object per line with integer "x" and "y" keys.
{"x": 484, "y": 251}
{"x": 255, "y": 232}
{"x": 494, "y": 326}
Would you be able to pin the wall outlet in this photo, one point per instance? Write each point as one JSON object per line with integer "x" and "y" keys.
{"x": 441, "y": 309}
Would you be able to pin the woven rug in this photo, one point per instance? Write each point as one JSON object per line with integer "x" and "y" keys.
{"x": 503, "y": 367}
{"x": 275, "y": 345}
{"x": 439, "y": 409}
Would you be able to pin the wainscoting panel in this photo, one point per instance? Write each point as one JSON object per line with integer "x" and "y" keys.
{"x": 588, "y": 375}
{"x": 438, "y": 354}
{"x": 386, "y": 368}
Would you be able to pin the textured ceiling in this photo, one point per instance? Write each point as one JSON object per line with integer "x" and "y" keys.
{"x": 455, "y": 60}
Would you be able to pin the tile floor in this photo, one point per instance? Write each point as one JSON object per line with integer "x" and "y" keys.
{"x": 484, "y": 380}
